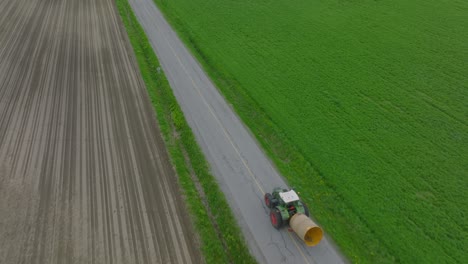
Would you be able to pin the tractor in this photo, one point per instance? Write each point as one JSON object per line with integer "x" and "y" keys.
{"x": 283, "y": 205}
{"x": 286, "y": 207}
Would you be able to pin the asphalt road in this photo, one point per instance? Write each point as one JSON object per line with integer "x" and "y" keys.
{"x": 241, "y": 168}
{"x": 84, "y": 174}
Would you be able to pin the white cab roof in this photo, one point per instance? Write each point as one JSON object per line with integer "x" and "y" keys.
{"x": 290, "y": 196}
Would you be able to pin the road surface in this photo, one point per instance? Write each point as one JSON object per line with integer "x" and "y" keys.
{"x": 241, "y": 168}
{"x": 84, "y": 174}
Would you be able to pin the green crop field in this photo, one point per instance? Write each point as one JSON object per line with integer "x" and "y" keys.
{"x": 373, "y": 94}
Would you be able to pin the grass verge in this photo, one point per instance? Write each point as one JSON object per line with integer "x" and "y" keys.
{"x": 221, "y": 239}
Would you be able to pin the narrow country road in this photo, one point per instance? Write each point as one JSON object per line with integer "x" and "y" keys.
{"x": 84, "y": 173}
{"x": 237, "y": 162}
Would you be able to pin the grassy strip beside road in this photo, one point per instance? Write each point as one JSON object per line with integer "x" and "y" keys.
{"x": 221, "y": 239}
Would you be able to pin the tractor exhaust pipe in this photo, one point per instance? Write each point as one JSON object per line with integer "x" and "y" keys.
{"x": 306, "y": 229}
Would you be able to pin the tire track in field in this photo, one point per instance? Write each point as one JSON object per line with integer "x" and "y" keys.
{"x": 84, "y": 174}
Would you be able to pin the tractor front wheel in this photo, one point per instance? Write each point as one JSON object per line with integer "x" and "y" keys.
{"x": 275, "y": 218}
{"x": 269, "y": 200}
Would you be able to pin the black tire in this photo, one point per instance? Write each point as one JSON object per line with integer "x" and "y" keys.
{"x": 275, "y": 218}
{"x": 269, "y": 200}
{"x": 306, "y": 209}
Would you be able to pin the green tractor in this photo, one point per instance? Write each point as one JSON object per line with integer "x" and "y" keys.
{"x": 283, "y": 205}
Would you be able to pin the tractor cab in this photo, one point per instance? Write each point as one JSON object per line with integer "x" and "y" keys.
{"x": 289, "y": 196}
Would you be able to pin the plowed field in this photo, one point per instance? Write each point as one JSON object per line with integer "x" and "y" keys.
{"x": 84, "y": 173}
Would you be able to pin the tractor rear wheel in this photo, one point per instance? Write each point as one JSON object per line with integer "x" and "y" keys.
{"x": 269, "y": 200}
{"x": 275, "y": 218}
